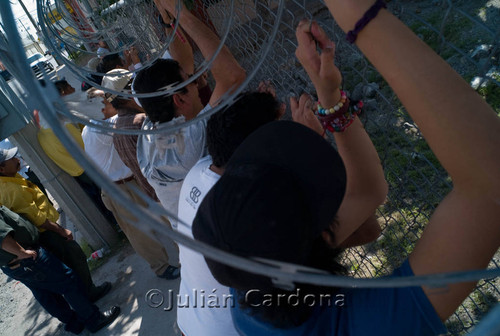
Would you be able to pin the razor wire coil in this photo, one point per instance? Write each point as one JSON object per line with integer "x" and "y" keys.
{"x": 465, "y": 34}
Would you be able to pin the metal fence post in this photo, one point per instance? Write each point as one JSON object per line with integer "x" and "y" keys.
{"x": 94, "y": 227}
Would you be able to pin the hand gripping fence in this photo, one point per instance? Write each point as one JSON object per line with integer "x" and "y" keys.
{"x": 261, "y": 35}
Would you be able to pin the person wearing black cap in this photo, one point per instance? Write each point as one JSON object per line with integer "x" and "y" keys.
{"x": 284, "y": 186}
{"x": 55, "y": 286}
{"x": 226, "y": 130}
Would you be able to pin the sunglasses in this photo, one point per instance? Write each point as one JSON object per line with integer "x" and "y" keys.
{"x": 110, "y": 97}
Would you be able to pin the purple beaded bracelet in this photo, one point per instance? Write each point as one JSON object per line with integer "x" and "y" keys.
{"x": 369, "y": 15}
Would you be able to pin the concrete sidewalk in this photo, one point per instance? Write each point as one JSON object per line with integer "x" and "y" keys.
{"x": 131, "y": 277}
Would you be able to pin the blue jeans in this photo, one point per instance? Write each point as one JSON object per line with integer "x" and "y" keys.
{"x": 56, "y": 288}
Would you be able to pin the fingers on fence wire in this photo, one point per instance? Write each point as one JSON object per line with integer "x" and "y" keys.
{"x": 320, "y": 67}
{"x": 303, "y": 113}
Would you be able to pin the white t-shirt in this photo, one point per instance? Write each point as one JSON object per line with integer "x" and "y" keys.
{"x": 100, "y": 148}
{"x": 165, "y": 159}
{"x": 196, "y": 279}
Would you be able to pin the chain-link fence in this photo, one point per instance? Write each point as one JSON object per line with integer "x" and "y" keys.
{"x": 465, "y": 33}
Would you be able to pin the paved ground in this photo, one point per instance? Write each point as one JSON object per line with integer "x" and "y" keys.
{"x": 131, "y": 277}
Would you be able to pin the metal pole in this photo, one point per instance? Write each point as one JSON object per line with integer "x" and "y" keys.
{"x": 94, "y": 227}
{"x": 33, "y": 22}
{"x": 37, "y": 46}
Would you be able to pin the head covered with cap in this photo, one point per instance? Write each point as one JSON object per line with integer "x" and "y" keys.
{"x": 117, "y": 80}
{"x": 281, "y": 189}
{"x": 7, "y": 154}
{"x": 8, "y": 167}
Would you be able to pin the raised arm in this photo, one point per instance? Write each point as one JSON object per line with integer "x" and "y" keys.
{"x": 366, "y": 185}
{"x": 133, "y": 55}
{"x": 228, "y": 74}
{"x": 464, "y": 133}
{"x": 179, "y": 49}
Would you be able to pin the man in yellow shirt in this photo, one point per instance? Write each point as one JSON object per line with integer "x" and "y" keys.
{"x": 26, "y": 199}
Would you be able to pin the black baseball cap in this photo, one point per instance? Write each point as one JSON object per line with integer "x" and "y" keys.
{"x": 281, "y": 189}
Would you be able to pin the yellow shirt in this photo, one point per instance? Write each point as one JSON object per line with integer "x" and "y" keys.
{"x": 55, "y": 150}
{"x": 25, "y": 198}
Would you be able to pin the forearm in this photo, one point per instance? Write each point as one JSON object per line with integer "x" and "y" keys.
{"x": 366, "y": 186}
{"x": 225, "y": 69}
{"x": 181, "y": 50}
{"x": 460, "y": 127}
{"x": 51, "y": 226}
{"x": 365, "y": 176}
{"x": 10, "y": 245}
{"x": 368, "y": 231}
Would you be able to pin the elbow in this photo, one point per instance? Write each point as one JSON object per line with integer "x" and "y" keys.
{"x": 238, "y": 76}
{"x": 371, "y": 230}
{"x": 376, "y": 193}
{"x": 382, "y": 192}
{"x": 229, "y": 78}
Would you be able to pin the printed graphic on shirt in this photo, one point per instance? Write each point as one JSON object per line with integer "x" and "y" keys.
{"x": 195, "y": 194}
{"x": 194, "y": 197}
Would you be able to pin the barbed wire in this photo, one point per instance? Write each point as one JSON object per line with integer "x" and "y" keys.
{"x": 261, "y": 35}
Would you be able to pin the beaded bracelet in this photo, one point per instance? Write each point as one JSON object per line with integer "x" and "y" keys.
{"x": 332, "y": 110}
{"x": 341, "y": 118}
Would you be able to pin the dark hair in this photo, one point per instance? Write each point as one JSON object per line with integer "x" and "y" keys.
{"x": 119, "y": 103}
{"x": 161, "y": 73}
{"x": 284, "y": 314}
{"x": 61, "y": 85}
{"x": 227, "y": 128}
{"x": 109, "y": 63}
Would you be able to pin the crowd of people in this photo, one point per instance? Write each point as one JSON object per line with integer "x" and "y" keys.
{"x": 248, "y": 183}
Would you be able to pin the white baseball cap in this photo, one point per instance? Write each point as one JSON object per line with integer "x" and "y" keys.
{"x": 116, "y": 79}
{"x": 7, "y": 154}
